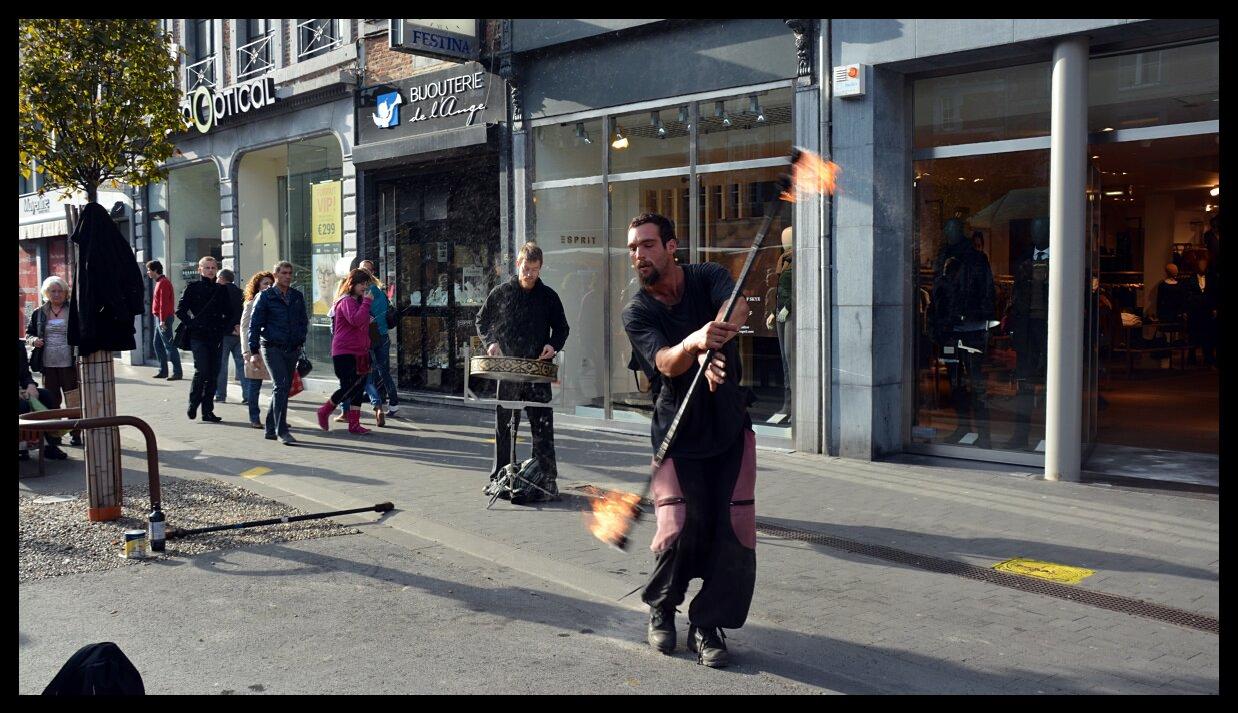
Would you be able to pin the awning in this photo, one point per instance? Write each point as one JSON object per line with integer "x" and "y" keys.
{"x": 46, "y": 229}
{"x": 374, "y": 155}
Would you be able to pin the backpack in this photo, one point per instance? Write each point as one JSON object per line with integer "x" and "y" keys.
{"x": 95, "y": 670}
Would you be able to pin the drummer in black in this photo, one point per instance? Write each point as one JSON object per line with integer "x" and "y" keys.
{"x": 524, "y": 318}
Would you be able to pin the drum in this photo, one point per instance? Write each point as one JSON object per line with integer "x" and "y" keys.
{"x": 507, "y": 368}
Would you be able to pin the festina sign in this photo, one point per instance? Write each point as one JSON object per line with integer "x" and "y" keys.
{"x": 454, "y": 40}
{"x": 205, "y": 108}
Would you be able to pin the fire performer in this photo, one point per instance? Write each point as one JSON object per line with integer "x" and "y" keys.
{"x": 703, "y": 491}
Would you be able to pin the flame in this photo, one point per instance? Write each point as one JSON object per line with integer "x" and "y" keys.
{"x": 811, "y": 174}
{"x": 613, "y": 514}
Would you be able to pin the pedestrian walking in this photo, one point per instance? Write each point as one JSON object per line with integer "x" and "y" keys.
{"x": 255, "y": 370}
{"x": 163, "y": 307}
{"x": 350, "y": 348}
{"x": 47, "y": 332}
{"x": 278, "y": 324}
{"x": 231, "y": 344}
{"x": 379, "y": 385}
{"x": 206, "y": 310}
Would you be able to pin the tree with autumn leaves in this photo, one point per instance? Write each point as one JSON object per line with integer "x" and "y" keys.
{"x": 97, "y": 100}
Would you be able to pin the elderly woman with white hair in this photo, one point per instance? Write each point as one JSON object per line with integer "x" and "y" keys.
{"x": 47, "y": 329}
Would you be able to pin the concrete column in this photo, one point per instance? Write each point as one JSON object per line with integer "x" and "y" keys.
{"x": 1067, "y": 193}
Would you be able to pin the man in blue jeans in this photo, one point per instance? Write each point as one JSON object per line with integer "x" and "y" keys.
{"x": 379, "y": 381}
{"x": 163, "y": 307}
{"x": 279, "y": 325}
{"x": 231, "y": 344}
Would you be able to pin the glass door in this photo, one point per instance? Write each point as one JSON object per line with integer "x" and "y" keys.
{"x": 1091, "y": 322}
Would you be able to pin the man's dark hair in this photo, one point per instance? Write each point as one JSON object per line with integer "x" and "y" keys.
{"x": 227, "y": 275}
{"x": 666, "y": 229}
{"x": 156, "y": 266}
{"x": 530, "y": 252}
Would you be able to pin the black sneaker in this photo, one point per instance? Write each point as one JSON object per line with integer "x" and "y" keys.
{"x": 192, "y": 412}
{"x": 175, "y": 377}
{"x": 662, "y": 630}
{"x": 709, "y": 645}
{"x": 269, "y": 436}
{"x": 54, "y": 453}
{"x": 210, "y": 417}
{"x": 75, "y": 439}
{"x": 160, "y": 375}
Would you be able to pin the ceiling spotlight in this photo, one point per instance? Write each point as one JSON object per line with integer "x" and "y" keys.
{"x": 755, "y": 107}
{"x": 656, "y": 121}
{"x": 1095, "y": 157}
{"x": 1216, "y": 191}
{"x": 1114, "y": 193}
{"x": 976, "y": 180}
{"x": 581, "y": 134}
{"x": 621, "y": 141}
{"x": 1107, "y": 128}
{"x": 720, "y": 112}
{"x": 685, "y": 117}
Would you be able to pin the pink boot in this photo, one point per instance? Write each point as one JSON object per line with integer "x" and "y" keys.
{"x": 324, "y": 414}
{"x": 354, "y": 423}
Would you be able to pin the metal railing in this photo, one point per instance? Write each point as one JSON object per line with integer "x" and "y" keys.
{"x": 254, "y": 57}
{"x": 200, "y": 73}
{"x": 317, "y": 36}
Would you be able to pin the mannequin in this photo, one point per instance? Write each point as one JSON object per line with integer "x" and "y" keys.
{"x": 779, "y": 321}
{"x": 963, "y": 302}
{"x": 1029, "y": 330}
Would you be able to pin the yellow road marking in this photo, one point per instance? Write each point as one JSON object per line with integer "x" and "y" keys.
{"x": 255, "y": 472}
{"x": 1044, "y": 570}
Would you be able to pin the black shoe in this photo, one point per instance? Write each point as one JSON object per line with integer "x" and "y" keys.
{"x": 244, "y": 402}
{"x": 662, "y": 629}
{"x": 269, "y": 436}
{"x": 709, "y": 645}
{"x": 193, "y": 411}
{"x": 75, "y": 439}
{"x": 54, "y": 453}
{"x": 175, "y": 377}
{"x": 210, "y": 417}
{"x": 288, "y": 440}
{"x": 160, "y": 375}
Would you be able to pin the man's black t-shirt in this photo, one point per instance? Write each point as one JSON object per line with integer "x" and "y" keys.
{"x": 713, "y": 420}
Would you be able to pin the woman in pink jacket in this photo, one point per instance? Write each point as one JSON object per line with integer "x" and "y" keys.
{"x": 350, "y": 348}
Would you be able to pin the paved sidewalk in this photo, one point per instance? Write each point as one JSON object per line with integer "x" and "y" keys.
{"x": 831, "y": 619}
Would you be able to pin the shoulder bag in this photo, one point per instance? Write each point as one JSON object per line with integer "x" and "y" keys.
{"x": 36, "y": 354}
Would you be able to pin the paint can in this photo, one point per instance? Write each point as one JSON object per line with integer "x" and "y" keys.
{"x": 135, "y": 544}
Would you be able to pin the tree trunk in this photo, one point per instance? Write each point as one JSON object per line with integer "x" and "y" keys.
{"x": 102, "y": 445}
{"x": 92, "y": 194}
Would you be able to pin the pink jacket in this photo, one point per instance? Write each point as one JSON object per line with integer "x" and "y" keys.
{"x": 352, "y": 326}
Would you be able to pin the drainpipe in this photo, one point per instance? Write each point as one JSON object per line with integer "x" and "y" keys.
{"x": 1067, "y": 191}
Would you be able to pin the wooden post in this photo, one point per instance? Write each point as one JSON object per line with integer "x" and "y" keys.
{"x": 98, "y": 389}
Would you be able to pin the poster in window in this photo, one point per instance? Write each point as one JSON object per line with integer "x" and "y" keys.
{"x": 326, "y": 222}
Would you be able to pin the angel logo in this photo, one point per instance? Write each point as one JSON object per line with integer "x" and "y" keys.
{"x": 388, "y": 112}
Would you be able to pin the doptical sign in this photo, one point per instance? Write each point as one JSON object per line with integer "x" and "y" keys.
{"x": 457, "y": 98}
{"x": 205, "y": 108}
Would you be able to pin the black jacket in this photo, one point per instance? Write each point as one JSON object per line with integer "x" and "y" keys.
{"x": 963, "y": 289}
{"x": 204, "y": 306}
{"x": 523, "y": 322}
{"x": 236, "y": 301}
{"x": 108, "y": 289}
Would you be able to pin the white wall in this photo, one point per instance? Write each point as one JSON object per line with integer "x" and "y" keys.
{"x": 258, "y": 211}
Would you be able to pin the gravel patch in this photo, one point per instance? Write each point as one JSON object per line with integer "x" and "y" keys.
{"x": 55, "y": 537}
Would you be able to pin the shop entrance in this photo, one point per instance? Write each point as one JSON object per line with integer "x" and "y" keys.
{"x": 444, "y": 227}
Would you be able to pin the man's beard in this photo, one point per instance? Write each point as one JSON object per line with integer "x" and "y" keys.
{"x": 652, "y": 278}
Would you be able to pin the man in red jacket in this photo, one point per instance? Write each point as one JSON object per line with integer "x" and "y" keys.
{"x": 163, "y": 306}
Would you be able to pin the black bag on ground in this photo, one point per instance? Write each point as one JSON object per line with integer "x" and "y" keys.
{"x": 97, "y": 670}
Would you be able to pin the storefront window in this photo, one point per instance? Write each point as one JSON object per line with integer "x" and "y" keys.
{"x": 570, "y": 150}
{"x": 569, "y": 231}
{"x": 993, "y": 105}
{"x": 193, "y": 222}
{"x": 733, "y": 206}
{"x": 1168, "y": 86}
{"x": 752, "y": 126}
{"x": 649, "y": 140}
{"x": 982, "y": 248}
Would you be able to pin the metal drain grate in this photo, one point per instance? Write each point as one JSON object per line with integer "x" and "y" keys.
{"x": 1102, "y": 600}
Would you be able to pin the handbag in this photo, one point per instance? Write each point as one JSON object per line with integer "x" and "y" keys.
{"x": 393, "y": 316}
{"x": 375, "y": 335}
{"x": 180, "y": 338}
{"x": 296, "y": 387}
{"x": 257, "y": 371}
{"x": 304, "y": 367}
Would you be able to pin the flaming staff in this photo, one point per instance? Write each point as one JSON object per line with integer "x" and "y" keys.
{"x": 615, "y": 514}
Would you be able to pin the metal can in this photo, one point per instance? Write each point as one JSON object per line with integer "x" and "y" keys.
{"x": 135, "y": 544}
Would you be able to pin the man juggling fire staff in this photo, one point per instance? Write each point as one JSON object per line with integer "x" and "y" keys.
{"x": 703, "y": 491}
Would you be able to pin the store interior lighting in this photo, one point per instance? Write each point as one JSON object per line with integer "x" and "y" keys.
{"x": 581, "y": 134}
{"x": 755, "y": 108}
{"x": 1216, "y": 191}
{"x": 720, "y": 112}
{"x": 684, "y": 118}
{"x": 621, "y": 141}
{"x": 656, "y": 122}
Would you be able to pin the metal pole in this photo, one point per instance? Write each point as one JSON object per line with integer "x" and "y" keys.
{"x": 1067, "y": 192}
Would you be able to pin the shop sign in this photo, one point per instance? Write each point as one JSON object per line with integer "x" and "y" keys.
{"x": 578, "y": 240}
{"x": 205, "y": 108}
{"x": 457, "y": 98}
{"x": 326, "y": 223}
{"x": 36, "y": 205}
{"x": 453, "y": 40}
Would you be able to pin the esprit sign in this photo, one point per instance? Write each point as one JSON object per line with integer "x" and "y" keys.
{"x": 205, "y": 108}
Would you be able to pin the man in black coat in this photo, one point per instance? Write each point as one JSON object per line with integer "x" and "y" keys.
{"x": 524, "y": 318}
{"x": 108, "y": 291}
{"x": 207, "y": 312}
{"x": 1202, "y": 305}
